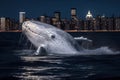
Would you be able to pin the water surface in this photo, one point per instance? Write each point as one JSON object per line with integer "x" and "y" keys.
{"x": 17, "y": 65}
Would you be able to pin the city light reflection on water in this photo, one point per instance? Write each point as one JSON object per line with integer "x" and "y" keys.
{"x": 53, "y": 68}
{"x": 37, "y": 72}
{"x": 21, "y": 66}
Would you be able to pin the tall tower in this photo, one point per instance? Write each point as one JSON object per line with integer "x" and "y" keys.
{"x": 73, "y": 12}
{"x": 3, "y": 23}
{"x": 21, "y": 17}
{"x": 89, "y": 16}
{"x": 57, "y": 15}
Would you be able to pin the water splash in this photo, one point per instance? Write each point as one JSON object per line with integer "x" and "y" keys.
{"x": 100, "y": 51}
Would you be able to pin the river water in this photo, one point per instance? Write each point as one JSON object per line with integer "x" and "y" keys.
{"x": 21, "y": 65}
{"x": 18, "y": 65}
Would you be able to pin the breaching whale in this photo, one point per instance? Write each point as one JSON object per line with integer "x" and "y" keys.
{"x": 49, "y": 39}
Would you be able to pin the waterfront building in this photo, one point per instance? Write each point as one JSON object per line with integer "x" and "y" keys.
{"x": 13, "y": 24}
{"x": 81, "y": 25}
{"x": 3, "y": 25}
{"x": 21, "y": 17}
{"x": 94, "y": 24}
{"x": 100, "y": 23}
{"x": 117, "y": 23}
{"x": 16, "y": 25}
{"x": 74, "y": 23}
{"x": 73, "y": 12}
{"x": 57, "y": 15}
{"x": 48, "y": 20}
{"x": 89, "y": 25}
{"x": 110, "y": 23}
{"x": 54, "y": 21}
{"x": 103, "y": 23}
{"x": 43, "y": 19}
{"x": 66, "y": 24}
{"x": 89, "y": 16}
{"x": 59, "y": 25}
{"x": 7, "y": 24}
{"x": 97, "y": 25}
{"x": 57, "y": 21}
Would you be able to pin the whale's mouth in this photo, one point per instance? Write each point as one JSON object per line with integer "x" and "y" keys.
{"x": 26, "y": 28}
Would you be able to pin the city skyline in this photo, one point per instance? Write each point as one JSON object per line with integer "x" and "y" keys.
{"x": 98, "y": 23}
{"x": 10, "y": 8}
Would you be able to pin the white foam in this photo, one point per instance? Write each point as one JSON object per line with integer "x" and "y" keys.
{"x": 99, "y": 51}
{"x": 82, "y": 39}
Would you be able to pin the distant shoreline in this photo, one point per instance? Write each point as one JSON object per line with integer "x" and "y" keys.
{"x": 72, "y": 31}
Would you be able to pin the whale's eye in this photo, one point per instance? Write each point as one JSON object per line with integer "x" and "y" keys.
{"x": 52, "y": 36}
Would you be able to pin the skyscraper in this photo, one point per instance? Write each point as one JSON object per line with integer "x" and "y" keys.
{"x": 3, "y": 23}
{"x": 73, "y": 12}
{"x": 74, "y": 24}
{"x": 21, "y": 17}
{"x": 117, "y": 23}
{"x": 57, "y": 15}
{"x": 43, "y": 19}
{"x": 89, "y": 16}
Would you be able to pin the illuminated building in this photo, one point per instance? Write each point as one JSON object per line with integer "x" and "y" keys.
{"x": 21, "y": 17}
{"x": 54, "y": 21}
{"x": 81, "y": 24}
{"x": 7, "y": 24}
{"x": 103, "y": 23}
{"x": 48, "y": 20}
{"x": 3, "y": 25}
{"x": 110, "y": 23}
{"x": 66, "y": 24}
{"x": 73, "y": 12}
{"x": 117, "y": 23}
{"x": 97, "y": 23}
{"x": 43, "y": 19}
{"x": 89, "y": 16}
{"x": 57, "y": 20}
{"x": 57, "y": 15}
{"x": 89, "y": 24}
{"x": 74, "y": 23}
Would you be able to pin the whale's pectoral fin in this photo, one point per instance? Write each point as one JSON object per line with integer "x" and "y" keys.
{"x": 41, "y": 51}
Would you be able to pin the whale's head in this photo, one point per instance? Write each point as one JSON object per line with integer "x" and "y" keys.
{"x": 52, "y": 39}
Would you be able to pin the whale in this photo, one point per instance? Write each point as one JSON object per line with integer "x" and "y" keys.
{"x": 47, "y": 38}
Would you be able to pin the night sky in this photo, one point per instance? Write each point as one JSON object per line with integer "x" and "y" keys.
{"x": 35, "y": 8}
